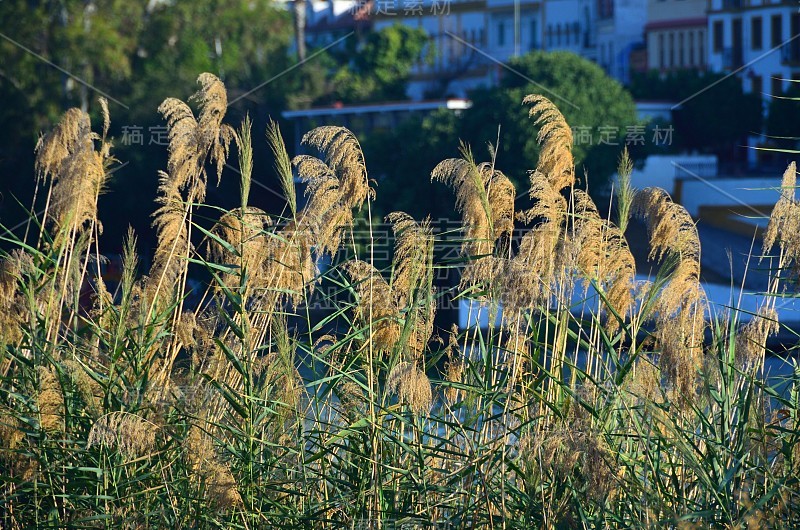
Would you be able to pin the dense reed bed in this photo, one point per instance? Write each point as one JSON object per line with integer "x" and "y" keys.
{"x": 127, "y": 408}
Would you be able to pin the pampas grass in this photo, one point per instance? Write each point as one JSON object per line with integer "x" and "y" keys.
{"x": 257, "y": 409}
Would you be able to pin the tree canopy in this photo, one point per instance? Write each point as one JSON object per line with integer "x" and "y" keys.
{"x": 715, "y": 114}
{"x": 587, "y": 97}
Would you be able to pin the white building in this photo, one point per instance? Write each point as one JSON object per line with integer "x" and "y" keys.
{"x": 757, "y": 39}
{"x": 571, "y": 25}
{"x": 471, "y": 38}
{"x": 620, "y": 29}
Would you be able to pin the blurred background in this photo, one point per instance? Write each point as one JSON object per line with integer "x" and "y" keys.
{"x": 701, "y": 92}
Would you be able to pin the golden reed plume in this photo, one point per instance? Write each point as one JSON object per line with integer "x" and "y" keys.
{"x": 531, "y": 272}
{"x": 412, "y": 285}
{"x": 376, "y": 306}
{"x": 485, "y": 199}
{"x": 555, "y": 140}
{"x": 784, "y": 221}
{"x": 681, "y": 303}
{"x": 192, "y": 142}
{"x": 603, "y": 255}
{"x": 67, "y": 156}
{"x": 411, "y": 386}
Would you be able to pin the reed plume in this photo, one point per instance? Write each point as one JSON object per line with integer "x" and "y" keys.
{"x": 282, "y": 165}
{"x": 530, "y": 274}
{"x": 243, "y": 243}
{"x": 751, "y": 340}
{"x": 290, "y": 266}
{"x": 784, "y": 222}
{"x": 376, "y": 306}
{"x": 13, "y": 269}
{"x": 209, "y": 471}
{"x": 67, "y": 156}
{"x": 344, "y": 157}
{"x": 50, "y": 401}
{"x": 485, "y": 199}
{"x": 327, "y": 214}
{"x": 88, "y": 388}
{"x": 555, "y": 141}
{"x": 603, "y": 255}
{"x": 681, "y": 304}
{"x": 624, "y": 190}
{"x": 412, "y": 284}
{"x": 411, "y": 386}
{"x": 192, "y": 142}
{"x": 454, "y": 367}
{"x": 130, "y": 434}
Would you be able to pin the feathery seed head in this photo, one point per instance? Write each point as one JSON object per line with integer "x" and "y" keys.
{"x": 555, "y": 141}
{"x": 411, "y": 386}
{"x": 376, "y": 306}
{"x": 131, "y": 434}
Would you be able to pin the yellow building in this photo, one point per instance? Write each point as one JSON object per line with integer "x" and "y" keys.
{"x": 676, "y": 34}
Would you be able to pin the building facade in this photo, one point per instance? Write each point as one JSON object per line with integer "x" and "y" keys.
{"x": 470, "y": 40}
{"x": 570, "y": 25}
{"x": 759, "y": 40}
{"x": 676, "y": 34}
{"x": 620, "y": 31}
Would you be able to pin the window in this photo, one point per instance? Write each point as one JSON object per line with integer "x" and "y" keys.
{"x": 549, "y": 36}
{"x": 777, "y": 30}
{"x": 576, "y": 29}
{"x": 701, "y": 48}
{"x": 558, "y": 35}
{"x": 534, "y": 44}
{"x": 482, "y": 36}
{"x": 661, "y": 63}
{"x": 756, "y": 33}
{"x": 501, "y": 34}
{"x": 671, "y": 50}
{"x": 680, "y": 49}
{"x": 719, "y": 36}
{"x": 757, "y": 84}
{"x": 777, "y": 85}
{"x": 691, "y": 48}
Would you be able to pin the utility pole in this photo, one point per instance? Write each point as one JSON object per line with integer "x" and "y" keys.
{"x": 299, "y": 11}
{"x": 516, "y": 28}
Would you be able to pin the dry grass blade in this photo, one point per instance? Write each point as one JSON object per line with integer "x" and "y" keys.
{"x": 282, "y": 164}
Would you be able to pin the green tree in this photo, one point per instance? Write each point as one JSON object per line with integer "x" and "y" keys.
{"x": 783, "y": 117}
{"x": 378, "y": 68}
{"x": 138, "y": 53}
{"x": 405, "y": 156}
{"x": 715, "y": 114}
{"x": 587, "y": 97}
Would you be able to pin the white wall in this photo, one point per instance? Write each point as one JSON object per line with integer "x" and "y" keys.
{"x": 764, "y": 62}
{"x": 729, "y": 192}
{"x": 660, "y": 170}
